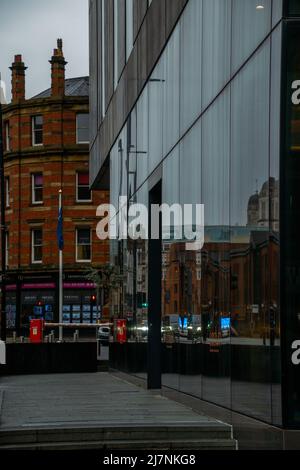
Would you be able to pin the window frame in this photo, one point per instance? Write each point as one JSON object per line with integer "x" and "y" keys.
{"x": 33, "y": 131}
{"x": 33, "y": 201}
{"x": 7, "y": 248}
{"x": 7, "y": 135}
{"x": 7, "y": 192}
{"x": 79, "y": 142}
{"x": 78, "y": 260}
{"x": 77, "y": 187}
{"x": 33, "y": 260}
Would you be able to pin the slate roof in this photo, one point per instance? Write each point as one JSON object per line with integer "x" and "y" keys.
{"x": 73, "y": 87}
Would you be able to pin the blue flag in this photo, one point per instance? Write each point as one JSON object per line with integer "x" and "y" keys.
{"x": 60, "y": 236}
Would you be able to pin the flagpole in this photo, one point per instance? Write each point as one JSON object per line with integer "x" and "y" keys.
{"x": 60, "y": 279}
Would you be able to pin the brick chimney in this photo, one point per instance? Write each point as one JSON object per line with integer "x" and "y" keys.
{"x": 58, "y": 65}
{"x": 18, "y": 79}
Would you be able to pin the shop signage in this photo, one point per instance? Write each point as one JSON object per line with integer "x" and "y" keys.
{"x": 11, "y": 287}
{"x": 46, "y": 285}
{"x": 72, "y": 298}
{"x": 79, "y": 285}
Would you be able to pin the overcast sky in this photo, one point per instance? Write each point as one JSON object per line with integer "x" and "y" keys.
{"x": 31, "y": 28}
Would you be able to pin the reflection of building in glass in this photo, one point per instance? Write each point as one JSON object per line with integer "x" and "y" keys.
{"x": 263, "y": 206}
{"x": 198, "y": 113}
{"x": 180, "y": 280}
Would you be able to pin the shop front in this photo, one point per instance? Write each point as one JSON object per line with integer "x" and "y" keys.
{"x": 30, "y": 297}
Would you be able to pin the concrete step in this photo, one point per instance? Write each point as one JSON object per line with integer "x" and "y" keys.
{"x": 118, "y": 432}
{"x": 175, "y": 444}
{"x": 126, "y": 436}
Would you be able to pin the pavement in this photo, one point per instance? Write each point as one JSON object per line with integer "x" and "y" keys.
{"x": 99, "y": 410}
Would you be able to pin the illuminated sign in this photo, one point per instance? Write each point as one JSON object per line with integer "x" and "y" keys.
{"x": 225, "y": 323}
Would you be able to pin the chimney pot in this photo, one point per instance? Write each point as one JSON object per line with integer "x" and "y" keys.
{"x": 58, "y": 65}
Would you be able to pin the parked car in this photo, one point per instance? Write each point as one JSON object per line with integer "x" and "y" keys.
{"x": 103, "y": 334}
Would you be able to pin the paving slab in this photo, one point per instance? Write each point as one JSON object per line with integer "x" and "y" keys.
{"x": 97, "y": 408}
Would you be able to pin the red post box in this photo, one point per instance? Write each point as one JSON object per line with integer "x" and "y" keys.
{"x": 121, "y": 331}
{"x": 36, "y": 331}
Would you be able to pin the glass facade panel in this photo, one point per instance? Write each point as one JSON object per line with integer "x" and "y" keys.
{"x": 129, "y": 27}
{"x": 277, "y": 12}
{"x": 142, "y": 138}
{"x": 190, "y": 166}
{"x": 132, "y": 154}
{"x": 122, "y": 151}
{"x": 115, "y": 175}
{"x": 250, "y": 26}
{"x": 275, "y": 133}
{"x": 293, "y": 7}
{"x": 116, "y": 62}
{"x": 208, "y": 124}
{"x": 215, "y": 266}
{"x": 190, "y": 64}
{"x": 171, "y": 93}
{"x": 249, "y": 252}
{"x": 155, "y": 103}
{"x": 216, "y": 48}
{"x": 289, "y": 248}
{"x": 171, "y": 178}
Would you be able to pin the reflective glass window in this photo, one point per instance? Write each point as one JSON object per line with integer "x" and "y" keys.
{"x": 251, "y": 22}
{"x": 190, "y": 64}
{"x": 216, "y": 47}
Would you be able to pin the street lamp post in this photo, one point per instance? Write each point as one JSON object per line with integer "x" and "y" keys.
{"x": 3, "y": 229}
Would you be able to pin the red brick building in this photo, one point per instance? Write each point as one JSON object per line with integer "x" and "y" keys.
{"x": 46, "y": 143}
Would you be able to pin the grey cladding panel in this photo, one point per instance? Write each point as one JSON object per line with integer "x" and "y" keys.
{"x": 121, "y": 35}
{"x": 109, "y": 49}
{"x": 139, "y": 12}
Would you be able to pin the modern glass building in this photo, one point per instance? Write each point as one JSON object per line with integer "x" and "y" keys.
{"x": 198, "y": 101}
